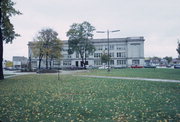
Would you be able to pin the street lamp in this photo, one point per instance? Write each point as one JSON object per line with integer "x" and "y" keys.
{"x": 108, "y": 41}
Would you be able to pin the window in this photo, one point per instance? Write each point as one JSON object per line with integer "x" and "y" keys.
{"x": 69, "y": 56}
{"x": 77, "y": 55}
{"x": 111, "y": 54}
{"x": 97, "y": 62}
{"x": 120, "y": 47}
{"x": 121, "y": 62}
{"x": 56, "y": 63}
{"x": 121, "y": 54}
{"x": 106, "y": 47}
{"x": 118, "y": 54}
{"x": 66, "y": 63}
{"x": 135, "y": 62}
{"x": 111, "y": 62}
{"x": 99, "y": 47}
{"x": 66, "y": 56}
{"x": 111, "y": 47}
{"x": 65, "y": 49}
{"x": 97, "y": 55}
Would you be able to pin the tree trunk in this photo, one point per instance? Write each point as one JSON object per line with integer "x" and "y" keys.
{"x": 46, "y": 60}
{"x": 29, "y": 65}
{"x": 85, "y": 61}
{"x": 82, "y": 57}
{"x": 50, "y": 63}
{"x": 1, "y": 49}
{"x": 40, "y": 59}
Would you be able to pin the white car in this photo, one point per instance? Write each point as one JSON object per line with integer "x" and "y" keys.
{"x": 103, "y": 67}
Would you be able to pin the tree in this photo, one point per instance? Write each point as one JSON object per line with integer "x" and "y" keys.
{"x": 9, "y": 64}
{"x": 37, "y": 50}
{"x": 7, "y": 33}
{"x": 46, "y": 44}
{"x": 178, "y": 49}
{"x": 169, "y": 59}
{"x": 80, "y": 36}
{"x": 55, "y": 50}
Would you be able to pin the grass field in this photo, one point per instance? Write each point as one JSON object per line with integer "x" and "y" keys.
{"x": 44, "y": 98}
{"x": 173, "y": 74}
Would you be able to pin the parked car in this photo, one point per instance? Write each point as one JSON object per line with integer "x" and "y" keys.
{"x": 136, "y": 66}
{"x": 149, "y": 66}
{"x": 177, "y": 66}
{"x": 169, "y": 66}
{"x": 103, "y": 67}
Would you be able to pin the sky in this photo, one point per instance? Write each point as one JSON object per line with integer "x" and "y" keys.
{"x": 158, "y": 21}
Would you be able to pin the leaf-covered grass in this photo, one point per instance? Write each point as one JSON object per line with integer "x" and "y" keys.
{"x": 44, "y": 98}
{"x": 173, "y": 74}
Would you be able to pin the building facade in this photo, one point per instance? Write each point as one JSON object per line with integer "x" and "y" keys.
{"x": 124, "y": 52}
{"x": 19, "y": 62}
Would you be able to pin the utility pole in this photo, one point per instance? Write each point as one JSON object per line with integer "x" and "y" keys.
{"x": 108, "y": 43}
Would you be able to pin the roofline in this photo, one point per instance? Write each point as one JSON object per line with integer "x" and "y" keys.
{"x": 104, "y": 40}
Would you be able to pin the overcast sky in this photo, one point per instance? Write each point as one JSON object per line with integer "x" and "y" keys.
{"x": 157, "y": 20}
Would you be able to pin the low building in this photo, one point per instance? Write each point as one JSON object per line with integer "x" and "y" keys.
{"x": 19, "y": 62}
{"x": 4, "y": 63}
{"x": 124, "y": 52}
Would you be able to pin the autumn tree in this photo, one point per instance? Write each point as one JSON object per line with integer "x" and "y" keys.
{"x": 7, "y": 33}
{"x": 37, "y": 51}
{"x": 80, "y": 36}
{"x": 46, "y": 44}
{"x": 55, "y": 50}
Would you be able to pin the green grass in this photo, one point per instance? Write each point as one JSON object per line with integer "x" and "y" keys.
{"x": 173, "y": 74}
{"x": 44, "y": 98}
{"x": 8, "y": 74}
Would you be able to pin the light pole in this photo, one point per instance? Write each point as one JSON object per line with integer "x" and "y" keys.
{"x": 108, "y": 42}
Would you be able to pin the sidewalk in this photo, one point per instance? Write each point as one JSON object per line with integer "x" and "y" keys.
{"x": 130, "y": 78}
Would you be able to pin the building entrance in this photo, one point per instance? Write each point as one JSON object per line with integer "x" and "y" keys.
{"x": 77, "y": 64}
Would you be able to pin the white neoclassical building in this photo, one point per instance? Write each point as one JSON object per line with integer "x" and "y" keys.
{"x": 124, "y": 52}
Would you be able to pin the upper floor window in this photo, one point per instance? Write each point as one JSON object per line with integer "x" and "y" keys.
{"x": 111, "y": 54}
{"x": 120, "y": 47}
{"x": 111, "y": 47}
{"x": 65, "y": 49}
{"x": 121, "y": 54}
{"x": 77, "y": 55}
{"x": 99, "y": 47}
{"x": 97, "y": 55}
{"x": 105, "y": 47}
{"x": 66, "y": 56}
{"x": 69, "y": 56}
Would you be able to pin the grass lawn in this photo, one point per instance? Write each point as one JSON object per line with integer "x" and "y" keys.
{"x": 8, "y": 74}
{"x": 173, "y": 74}
{"x": 72, "y": 99}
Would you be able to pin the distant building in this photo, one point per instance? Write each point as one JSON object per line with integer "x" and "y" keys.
{"x": 124, "y": 52}
{"x": 176, "y": 61}
{"x": 4, "y": 63}
{"x": 19, "y": 62}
